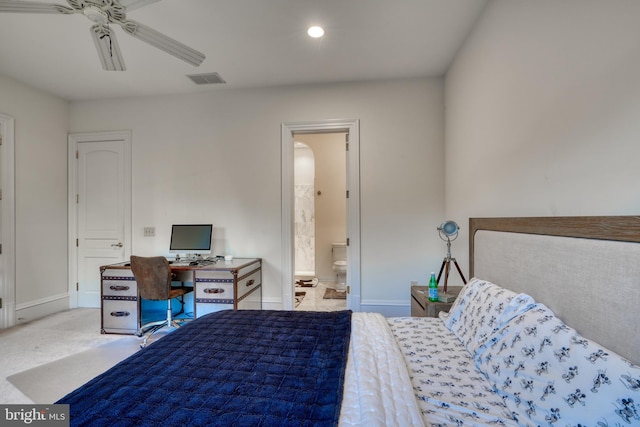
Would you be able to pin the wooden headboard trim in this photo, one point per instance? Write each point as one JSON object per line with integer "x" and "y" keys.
{"x": 617, "y": 228}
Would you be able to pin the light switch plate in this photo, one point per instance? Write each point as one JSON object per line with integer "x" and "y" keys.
{"x": 149, "y": 231}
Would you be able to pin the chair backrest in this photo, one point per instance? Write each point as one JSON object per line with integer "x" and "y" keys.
{"x": 153, "y": 276}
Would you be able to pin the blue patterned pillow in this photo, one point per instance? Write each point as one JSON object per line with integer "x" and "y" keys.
{"x": 467, "y": 292}
{"x": 550, "y": 375}
{"x": 481, "y": 309}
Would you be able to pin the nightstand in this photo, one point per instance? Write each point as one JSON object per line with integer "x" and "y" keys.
{"x": 422, "y": 307}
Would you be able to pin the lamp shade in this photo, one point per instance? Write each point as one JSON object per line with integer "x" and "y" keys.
{"x": 449, "y": 228}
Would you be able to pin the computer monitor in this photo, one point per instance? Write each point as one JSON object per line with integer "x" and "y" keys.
{"x": 191, "y": 239}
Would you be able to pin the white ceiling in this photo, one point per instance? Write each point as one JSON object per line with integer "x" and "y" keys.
{"x": 250, "y": 43}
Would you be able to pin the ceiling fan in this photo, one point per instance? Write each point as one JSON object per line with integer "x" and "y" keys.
{"x": 103, "y": 13}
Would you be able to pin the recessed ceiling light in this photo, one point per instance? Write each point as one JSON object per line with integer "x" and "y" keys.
{"x": 315, "y": 32}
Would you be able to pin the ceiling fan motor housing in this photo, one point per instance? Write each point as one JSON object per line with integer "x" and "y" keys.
{"x": 95, "y": 14}
{"x": 100, "y": 11}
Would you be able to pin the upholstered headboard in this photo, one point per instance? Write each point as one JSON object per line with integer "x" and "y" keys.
{"x": 586, "y": 269}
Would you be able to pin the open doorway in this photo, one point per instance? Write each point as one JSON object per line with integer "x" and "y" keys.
{"x": 320, "y": 221}
{"x": 349, "y": 128}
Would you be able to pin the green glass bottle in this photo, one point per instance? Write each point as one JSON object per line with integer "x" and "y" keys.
{"x": 433, "y": 288}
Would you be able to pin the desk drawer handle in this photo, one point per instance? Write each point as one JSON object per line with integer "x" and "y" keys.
{"x": 120, "y": 313}
{"x": 214, "y": 291}
{"x": 119, "y": 287}
{"x": 250, "y": 282}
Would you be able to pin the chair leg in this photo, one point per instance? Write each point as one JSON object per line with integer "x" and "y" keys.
{"x": 153, "y": 327}
{"x": 149, "y": 326}
{"x": 169, "y": 314}
{"x": 151, "y": 331}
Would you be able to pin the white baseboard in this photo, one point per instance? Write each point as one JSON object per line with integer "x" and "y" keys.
{"x": 386, "y": 308}
{"x": 36, "y": 309}
{"x": 272, "y": 303}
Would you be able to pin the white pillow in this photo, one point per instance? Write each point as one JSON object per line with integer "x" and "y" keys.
{"x": 548, "y": 374}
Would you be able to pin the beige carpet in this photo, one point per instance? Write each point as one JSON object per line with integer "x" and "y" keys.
{"x": 331, "y": 293}
{"x": 52, "y": 381}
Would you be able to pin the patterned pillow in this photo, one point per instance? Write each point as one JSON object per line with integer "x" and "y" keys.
{"x": 483, "y": 309}
{"x": 465, "y": 294}
{"x": 468, "y": 290}
{"x": 550, "y": 375}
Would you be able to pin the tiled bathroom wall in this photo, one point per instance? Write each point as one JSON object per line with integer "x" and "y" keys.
{"x": 304, "y": 230}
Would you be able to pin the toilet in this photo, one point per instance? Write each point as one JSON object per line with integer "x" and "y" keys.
{"x": 339, "y": 251}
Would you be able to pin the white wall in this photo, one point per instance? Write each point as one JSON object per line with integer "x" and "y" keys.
{"x": 41, "y": 123}
{"x": 542, "y": 108}
{"x": 215, "y": 157}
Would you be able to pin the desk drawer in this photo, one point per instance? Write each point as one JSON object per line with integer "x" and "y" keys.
{"x": 119, "y": 317}
{"x": 214, "y": 289}
{"x": 249, "y": 283}
{"x": 117, "y": 287}
{"x": 119, "y": 283}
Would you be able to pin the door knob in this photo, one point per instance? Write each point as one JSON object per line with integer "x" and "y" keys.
{"x": 117, "y": 245}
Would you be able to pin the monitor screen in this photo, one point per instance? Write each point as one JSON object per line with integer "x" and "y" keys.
{"x": 191, "y": 238}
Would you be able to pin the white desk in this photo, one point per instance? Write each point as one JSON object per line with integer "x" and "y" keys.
{"x": 223, "y": 285}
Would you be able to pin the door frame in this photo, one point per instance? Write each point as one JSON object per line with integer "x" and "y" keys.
{"x": 73, "y": 140}
{"x": 352, "y": 127}
{"x": 8, "y": 212}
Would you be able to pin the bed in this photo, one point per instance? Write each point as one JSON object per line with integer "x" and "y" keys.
{"x": 546, "y": 333}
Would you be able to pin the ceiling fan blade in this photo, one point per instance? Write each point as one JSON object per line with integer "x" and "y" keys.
{"x": 32, "y": 7}
{"x": 107, "y": 46}
{"x": 130, "y": 5}
{"x": 162, "y": 42}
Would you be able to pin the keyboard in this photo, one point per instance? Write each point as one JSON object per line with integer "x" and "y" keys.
{"x": 201, "y": 263}
{"x": 179, "y": 263}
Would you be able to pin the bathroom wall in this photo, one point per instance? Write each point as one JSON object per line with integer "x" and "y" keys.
{"x": 304, "y": 227}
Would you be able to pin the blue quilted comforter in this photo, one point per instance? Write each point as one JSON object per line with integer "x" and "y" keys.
{"x": 230, "y": 368}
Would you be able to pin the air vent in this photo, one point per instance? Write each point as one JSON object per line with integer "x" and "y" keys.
{"x": 206, "y": 79}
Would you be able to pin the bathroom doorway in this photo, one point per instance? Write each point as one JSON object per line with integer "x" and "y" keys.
{"x": 320, "y": 221}
{"x": 290, "y": 131}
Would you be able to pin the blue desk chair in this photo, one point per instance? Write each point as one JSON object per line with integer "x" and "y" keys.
{"x": 153, "y": 277}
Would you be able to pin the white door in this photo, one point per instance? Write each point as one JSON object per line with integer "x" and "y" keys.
{"x": 102, "y": 208}
{"x": 3, "y": 282}
{"x": 7, "y": 224}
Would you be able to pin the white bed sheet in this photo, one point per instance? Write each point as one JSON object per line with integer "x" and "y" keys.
{"x": 413, "y": 371}
{"x": 449, "y": 389}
